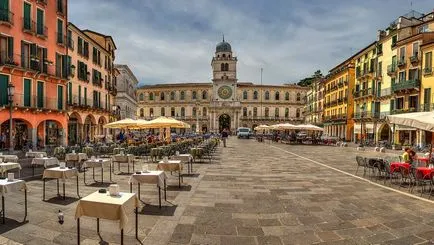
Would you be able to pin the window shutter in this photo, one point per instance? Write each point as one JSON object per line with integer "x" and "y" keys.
{"x": 23, "y": 59}
{"x": 79, "y": 94}
{"x": 11, "y": 49}
{"x": 65, "y": 66}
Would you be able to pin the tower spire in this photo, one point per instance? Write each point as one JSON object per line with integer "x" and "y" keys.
{"x": 223, "y": 37}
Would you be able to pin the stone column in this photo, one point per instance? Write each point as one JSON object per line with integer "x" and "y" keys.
{"x": 34, "y": 132}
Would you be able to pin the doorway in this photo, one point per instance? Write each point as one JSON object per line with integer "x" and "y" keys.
{"x": 224, "y": 122}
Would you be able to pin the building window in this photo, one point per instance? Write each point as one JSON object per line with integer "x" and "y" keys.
{"x": 162, "y": 96}
{"x": 96, "y": 56}
{"x": 276, "y": 112}
{"x": 286, "y": 112}
{"x": 255, "y": 111}
{"x": 40, "y": 20}
{"x": 151, "y": 96}
{"x": 172, "y": 95}
{"x": 142, "y": 112}
{"x": 141, "y": 97}
{"x": 172, "y": 111}
{"x": 60, "y": 37}
{"x": 204, "y": 95}
{"x": 244, "y": 95}
{"x": 298, "y": 97}
{"x": 287, "y": 96}
{"x": 194, "y": 113}
{"x": 297, "y": 114}
{"x": 163, "y": 111}
{"x": 255, "y": 95}
{"x": 151, "y": 112}
{"x": 267, "y": 95}
{"x": 204, "y": 111}
{"x": 182, "y": 112}
{"x": 245, "y": 112}
{"x": 402, "y": 76}
{"x": 267, "y": 111}
{"x": 222, "y": 67}
{"x": 428, "y": 62}
{"x": 277, "y": 96}
{"x": 194, "y": 95}
{"x": 182, "y": 96}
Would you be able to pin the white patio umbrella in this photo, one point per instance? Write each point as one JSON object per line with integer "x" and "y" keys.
{"x": 420, "y": 120}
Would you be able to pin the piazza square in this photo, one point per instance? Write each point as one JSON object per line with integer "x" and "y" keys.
{"x": 216, "y": 122}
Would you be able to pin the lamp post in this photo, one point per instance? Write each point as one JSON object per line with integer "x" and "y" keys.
{"x": 197, "y": 118}
{"x": 362, "y": 108}
{"x": 11, "y": 90}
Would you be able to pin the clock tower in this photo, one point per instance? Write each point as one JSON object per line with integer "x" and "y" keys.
{"x": 225, "y": 105}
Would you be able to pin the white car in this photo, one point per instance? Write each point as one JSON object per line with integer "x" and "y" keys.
{"x": 243, "y": 133}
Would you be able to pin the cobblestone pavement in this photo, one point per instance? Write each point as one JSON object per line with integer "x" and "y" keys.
{"x": 252, "y": 193}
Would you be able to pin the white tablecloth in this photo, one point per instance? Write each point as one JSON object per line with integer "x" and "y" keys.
{"x": 36, "y": 154}
{"x": 151, "y": 177}
{"x": 75, "y": 157}
{"x": 59, "y": 173}
{"x": 9, "y": 158}
{"x": 171, "y": 165}
{"x": 45, "y": 161}
{"x": 123, "y": 158}
{"x": 184, "y": 158}
{"x": 16, "y": 185}
{"x": 4, "y": 167}
{"x": 98, "y": 162}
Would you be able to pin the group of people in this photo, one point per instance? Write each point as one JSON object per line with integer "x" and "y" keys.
{"x": 409, "y": 156}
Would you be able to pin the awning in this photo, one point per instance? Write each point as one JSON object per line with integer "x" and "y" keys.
{"x": 403, "y": 128}
{"x": 420, "y": 120}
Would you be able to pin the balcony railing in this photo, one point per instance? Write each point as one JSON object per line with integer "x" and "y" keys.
{"x": 401, "y": 62}
{"x": 29, "y": 25}
{"x": 405, "y": 85}
{"x": 414, "y": 59}
{"x": 41, "y": 30}
{"x": 366, "y": 115}
{"x": 37, "y": 102}
{"x": 60, "y": 38}
{"x": 364, "y": 93}
{"x": 6, "y": 17}
{"x": 42, "y": 1}
{"x": 403, "y": 110}
{"x": 391, "y": 69}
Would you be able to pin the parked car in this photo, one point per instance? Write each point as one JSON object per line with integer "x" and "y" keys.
{"x": 243, "y": 133}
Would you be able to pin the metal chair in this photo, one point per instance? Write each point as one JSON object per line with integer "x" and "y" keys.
{"x": 361, "y": 163}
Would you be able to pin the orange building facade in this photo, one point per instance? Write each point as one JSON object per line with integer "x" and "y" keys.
{"x": 33, "y": 58}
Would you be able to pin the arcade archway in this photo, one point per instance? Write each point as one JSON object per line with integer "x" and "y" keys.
{"x": 224, "y": 122}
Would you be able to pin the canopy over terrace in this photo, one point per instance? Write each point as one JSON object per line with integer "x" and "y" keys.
{"x": 283, "y": 126}
{"x": 262, "y": 127}
{"x": 308, "y": 127}
{"x": 420, "y": 120}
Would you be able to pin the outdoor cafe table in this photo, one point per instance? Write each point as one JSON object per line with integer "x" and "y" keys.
{"x": 425, "y": 160}
{"x": 185, "y": 158}
{"x": 394, "y": 166}
{"x": 118, "y": 150}
{"x": 128, "y": 158}
{"x": 36, "y": 154}
{"x": 76, "y": 158}
{"x": 97, "y": 163}
{"x": 425, "y": 171}
{"x": 156, "y": 153}
{"x": 103, "y": 206}
{"x": 149, "y": 177}
{"x": 196, "y": 152}
{"x": 59, "y": 173}
{"x": 13, "y": 186}
{"x": 172, "y": 166}
{"x": 5, "y": 166}
{"x": 9, "y": 158}
{"x": 44, "y": 161}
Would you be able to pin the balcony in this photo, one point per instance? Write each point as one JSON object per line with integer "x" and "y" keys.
{"x": 366, "y": 115}
{"x": 406, "y": 85}
{"x": 414, "y": 59}
{"x": 391, "y": 70}
{"x": 333, "y": 118}
{"x": 29, "y": 26}
{"x": 42, "y": 1}
{"x": 36, "y": 102}
{"x": 61, "y": 39}
{"x": 402, "y": 110}
{"x": 7, "y": 59}
{"x": 401, "y": 63}
{"x": 427, "y": 71}
{"x": 6, "y": 17}
{"x": 41, "y": 31}
{"x": 364, "y": 93}
{"x": 426, "y": 107}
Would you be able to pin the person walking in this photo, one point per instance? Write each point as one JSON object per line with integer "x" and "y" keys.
{"x": 225, "y": 135}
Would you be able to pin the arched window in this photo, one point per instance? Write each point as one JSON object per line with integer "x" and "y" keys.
{"x": 151, "y": 112}
{"x": 162, "y": 96}
{"x": 226, "y": 67}
{"x": 204, "y": 95}
{"x": 172, "y": 95}
{"x": 172, "y": 111}
{"x": 142, "y": 112}
{"x": 182, "y": 112}
{"x": 276, "y": 112}
{"x": 244, "y": 95}
{"x": 163, "y": 112}
{"x": 222, "y": 67}
{"x": 286, "y": 112}
{"x": 255, "y": 95}
{"x": 267, "y": 112}
{"x": 298, "y": 97}
{"x": 255, "y": 111}
{"x": 204, "y": 111}
{"x": 267, "y": 95}
{"x": 194, "y": 112}
{"x": 277, "y": 96}
{"x": 151, "y": 96}
{"x": 141, "y": 97}
{"x": 245, "y": 112}
{"x": 182, "y": 96}
{"x": 287, "y": 96}
{"x": 250, "y": 113}
{"x": 224, "y": 55}
{"x": 194, "y": 95}
{"x": 297, "y": 114}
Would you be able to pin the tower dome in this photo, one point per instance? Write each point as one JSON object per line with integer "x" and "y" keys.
{"x": 223, "y": 46}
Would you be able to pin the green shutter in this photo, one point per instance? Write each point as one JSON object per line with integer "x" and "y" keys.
{"x": 27, "y": 92}
{"x": 85, "y": 96}
{"x": 27, "y": 14}
{"x": 11, "y": 49}
{"x": 40, "y": 21}
{"x": 4, "y": 10}
{"x": 79, "y": 94}
{"x": 60, "y": 97}
{"x": 4, "y": 81}
{"x": 60, "y": 31}
{"x": 44, "y": 58}
{"x": 40, "y": 94}
{"x": 70, "y": 93}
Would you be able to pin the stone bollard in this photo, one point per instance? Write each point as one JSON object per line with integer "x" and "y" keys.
{"x": 344, "y": 144}
{"x": 383, "y": 149}
{"x": 377, "y": 148}
{"x": 360, "y": 148}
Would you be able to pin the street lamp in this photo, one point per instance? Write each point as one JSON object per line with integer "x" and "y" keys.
{"x": 114, "y": 109}
{"x": 197, "y": 118}
{"x": 11, "y": 90}
{"x": 362, "y": 108}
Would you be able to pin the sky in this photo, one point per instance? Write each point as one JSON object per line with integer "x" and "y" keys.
{"x": 173, "y": 41}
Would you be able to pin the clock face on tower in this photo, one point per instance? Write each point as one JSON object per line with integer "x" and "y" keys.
{"x": 224, "y": 92}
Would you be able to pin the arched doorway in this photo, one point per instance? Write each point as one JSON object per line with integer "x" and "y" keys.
{"x": 385, "y": 132}
{"x": 20, "y": 131}
{"x": 224, "y": 122}
{"x": 49, "y": 133}
{"x": 89, "y": 128}
{"x": 74, "y": 129}
{"x": 204, "y": 128}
